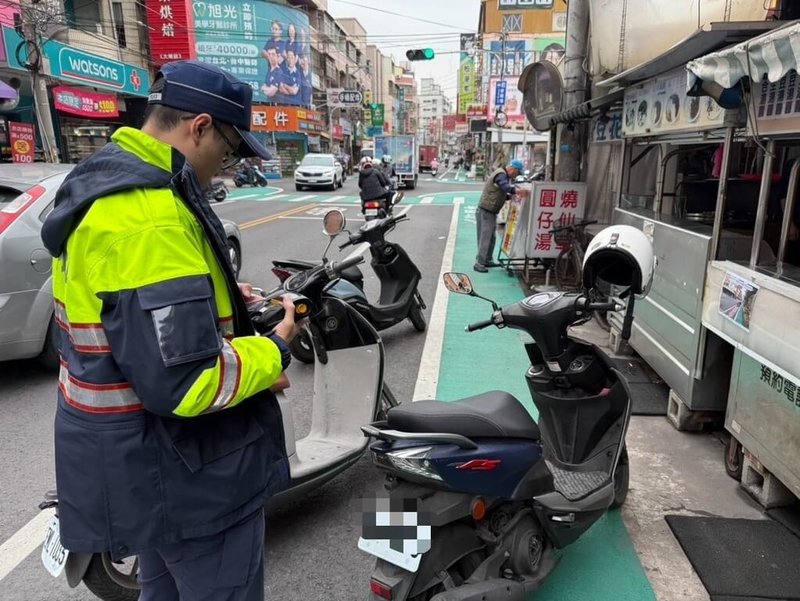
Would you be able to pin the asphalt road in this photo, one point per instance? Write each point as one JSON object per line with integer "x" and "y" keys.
{"x": 311, "y": 546}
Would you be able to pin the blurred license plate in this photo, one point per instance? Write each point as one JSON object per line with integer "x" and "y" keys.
{"x": 380, "y": 548}
{"x": 371, "y": 212}
{"x": 54, "y": 555}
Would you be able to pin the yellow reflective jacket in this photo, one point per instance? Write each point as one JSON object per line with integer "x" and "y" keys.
{"x": 164, "y": 411}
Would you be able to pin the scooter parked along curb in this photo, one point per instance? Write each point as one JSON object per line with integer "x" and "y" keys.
{"x": 399, "y": 278}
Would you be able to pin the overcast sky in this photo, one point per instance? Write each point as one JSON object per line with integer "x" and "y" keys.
{"x": 395, "y": 34}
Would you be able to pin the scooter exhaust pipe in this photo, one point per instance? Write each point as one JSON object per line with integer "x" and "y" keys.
{"x": 496, "y": 589}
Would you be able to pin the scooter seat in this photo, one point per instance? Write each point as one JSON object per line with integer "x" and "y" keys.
{"x": 493, "y": 414}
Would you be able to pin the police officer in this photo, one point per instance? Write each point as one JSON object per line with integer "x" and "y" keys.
{"x": 168, "y": 440}
{"x": 496, "y": 191}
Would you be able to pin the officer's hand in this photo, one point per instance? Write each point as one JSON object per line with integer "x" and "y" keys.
{"x": 287, "y": 329}
{"x": 248, "y": 294}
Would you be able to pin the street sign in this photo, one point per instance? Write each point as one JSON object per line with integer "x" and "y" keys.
{"x": 377, "y": 114}
{"x": 340, "y": 97}
{"x": 351, "y": 97}
{"x": 373, "y": 131}
{"x": 500, "y": 93}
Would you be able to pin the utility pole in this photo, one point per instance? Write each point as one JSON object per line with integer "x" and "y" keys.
{"x": 503, "y": 79}
{"x": 34, "y": 23}
{"x": 570, "y": 149}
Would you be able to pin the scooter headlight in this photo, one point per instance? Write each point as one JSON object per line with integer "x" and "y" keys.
{"x": 414, "y": 461}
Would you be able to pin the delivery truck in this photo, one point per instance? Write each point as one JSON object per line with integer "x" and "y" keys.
{"x": 403, "y": 150}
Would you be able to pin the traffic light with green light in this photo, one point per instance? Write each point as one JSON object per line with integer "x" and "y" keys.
{"x": 420, "y": 54}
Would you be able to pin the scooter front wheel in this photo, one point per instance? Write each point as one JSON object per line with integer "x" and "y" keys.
{"x": 622, "y": 477}
{"x": 110, "y": 581}
{"x": 417, "y": 315}
{"x": 301, "y": 347}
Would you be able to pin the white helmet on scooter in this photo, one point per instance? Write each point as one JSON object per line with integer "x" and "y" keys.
{"x": 622, "y": 256}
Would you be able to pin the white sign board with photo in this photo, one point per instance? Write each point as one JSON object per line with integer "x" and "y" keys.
{"x": 660, "y": 105}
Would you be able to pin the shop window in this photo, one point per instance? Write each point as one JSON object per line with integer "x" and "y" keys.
{"x": 82, "y": 14}
{"x": 119, "y": 23}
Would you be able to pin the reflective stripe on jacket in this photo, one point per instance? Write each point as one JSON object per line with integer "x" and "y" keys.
{"x": 165, "y": 427}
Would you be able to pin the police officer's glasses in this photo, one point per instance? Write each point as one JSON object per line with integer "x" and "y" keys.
{"x": 231, "y": 157}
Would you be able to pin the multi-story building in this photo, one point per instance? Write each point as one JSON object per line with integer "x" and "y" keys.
{"x": 512, "y": 36}
{"x": 384, "y": 88}
{"x": 408, "y": 102}
{"x": 433, "y": 106}
{"x": 100, "y": 58}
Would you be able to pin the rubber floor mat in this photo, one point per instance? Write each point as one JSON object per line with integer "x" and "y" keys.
{"x": 741, "y": 560}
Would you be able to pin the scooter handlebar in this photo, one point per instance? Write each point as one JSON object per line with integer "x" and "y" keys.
{"x": 479, "y": 325}
{"x": 340, "y": 266}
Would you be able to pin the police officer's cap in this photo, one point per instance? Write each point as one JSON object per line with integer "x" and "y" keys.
{"x": 199, "y": 87}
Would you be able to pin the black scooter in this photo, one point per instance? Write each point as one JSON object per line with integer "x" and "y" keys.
{"x": 217, "y": 190}
{"x": 398, "y": 275}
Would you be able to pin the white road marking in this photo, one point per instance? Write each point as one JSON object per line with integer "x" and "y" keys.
{"x": 458, "y": 200}
{"x": 426, "y": 200}
{"x": 301, "y": 198}
{"x": 23, "y": 542}
{"x": 333, "y": 198}
{"x": 428, "y": 375}
{"x": 275, "y": 197}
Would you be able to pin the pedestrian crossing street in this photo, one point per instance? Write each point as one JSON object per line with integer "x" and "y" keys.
{"x": 437, "y": 199}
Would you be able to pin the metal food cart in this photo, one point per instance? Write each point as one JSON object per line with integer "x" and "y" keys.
{"x": 753, "y": 304}
{"x": 679, "y": 212}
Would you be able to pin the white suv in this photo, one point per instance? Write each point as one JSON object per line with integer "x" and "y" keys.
{"x": 317, "y": 171}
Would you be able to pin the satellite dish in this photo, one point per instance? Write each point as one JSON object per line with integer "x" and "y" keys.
{"x": 542, "y": 93}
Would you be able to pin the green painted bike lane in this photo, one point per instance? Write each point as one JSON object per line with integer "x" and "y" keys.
{"x": 602, "y": 565}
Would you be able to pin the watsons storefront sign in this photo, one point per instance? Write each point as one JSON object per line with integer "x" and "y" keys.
{"x": 71, "y": 64}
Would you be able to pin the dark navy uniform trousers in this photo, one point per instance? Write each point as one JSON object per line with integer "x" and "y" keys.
{"x": 228, "y": 566}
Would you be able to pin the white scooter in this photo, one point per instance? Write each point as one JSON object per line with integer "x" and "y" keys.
{"x": 348, "y": 391}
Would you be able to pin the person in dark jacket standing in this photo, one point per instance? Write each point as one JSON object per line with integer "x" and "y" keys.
{"x": 168, "y": 437}
{"x": 374, "y": 185}
{"x": 496, "y": 191}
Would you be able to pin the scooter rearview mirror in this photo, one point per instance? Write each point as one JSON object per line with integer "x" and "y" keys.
{"x": 333, "y": 223}
{"x": 458, "y": 283}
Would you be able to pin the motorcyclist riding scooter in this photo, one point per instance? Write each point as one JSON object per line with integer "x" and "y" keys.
{"x": 375, "y": 187}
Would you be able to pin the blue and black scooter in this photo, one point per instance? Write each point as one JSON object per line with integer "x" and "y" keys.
{"x": 501, "y": 492}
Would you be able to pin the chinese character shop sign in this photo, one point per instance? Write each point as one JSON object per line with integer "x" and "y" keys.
{"x": 556, "y": 204}
{"x": 22, "y": 141}
{"x": 85, "y": 104}
{"x": 171, "y": 30}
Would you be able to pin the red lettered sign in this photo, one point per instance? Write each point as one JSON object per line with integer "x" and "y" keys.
{"x": 22, "y": 137}
{"x": 171, "y": 30}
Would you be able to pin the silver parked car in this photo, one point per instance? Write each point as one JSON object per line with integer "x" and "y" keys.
{"x": 27, "y": 194}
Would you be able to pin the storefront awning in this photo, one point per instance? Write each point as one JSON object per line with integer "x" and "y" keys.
{"x": 6, "y": 91}
{"x": 588, "y": 109}
{"x": 773, "y": 54}
{"x": 707, "y": 39}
